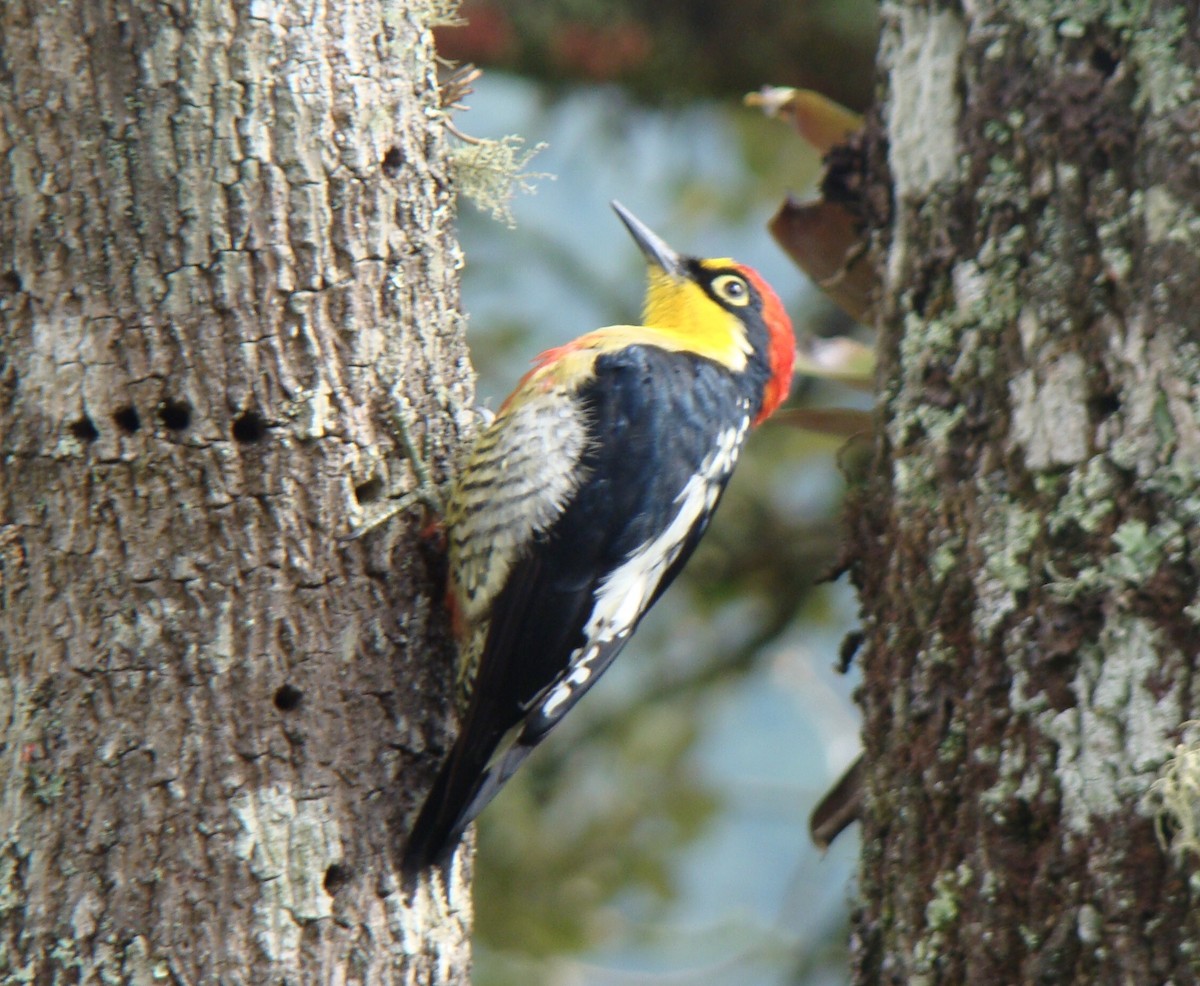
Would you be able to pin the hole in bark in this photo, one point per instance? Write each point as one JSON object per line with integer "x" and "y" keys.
{"x": 336, "y": 877}
{"x": 12, "y": 281}
{"x": 1104, "y": 405}
{"x": 249, "y": 427}
{"x": 392, "y": 161}
{"x": 175, "y": 415}
{"x": 1104, "y": 61}
{"x": 369, "y": 491}
{"x": 126, "y": 418}
{"x": 287, "y": 698}
{"x": 84, "y": 429}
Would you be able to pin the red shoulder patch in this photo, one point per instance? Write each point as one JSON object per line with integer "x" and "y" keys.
{"x": 542, "y": 360}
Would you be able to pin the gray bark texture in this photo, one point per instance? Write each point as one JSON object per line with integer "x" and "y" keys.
{"x": 1029, "y": 562}
{"x": 225, "y": 259}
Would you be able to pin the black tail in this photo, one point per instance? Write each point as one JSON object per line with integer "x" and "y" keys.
{"x": 462, "y": 789}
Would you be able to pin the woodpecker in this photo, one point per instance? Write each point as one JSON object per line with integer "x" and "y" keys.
{"x": 582, "y": 500}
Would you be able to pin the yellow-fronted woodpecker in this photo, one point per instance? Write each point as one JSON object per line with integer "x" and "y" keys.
{"x": 581, "y": 502}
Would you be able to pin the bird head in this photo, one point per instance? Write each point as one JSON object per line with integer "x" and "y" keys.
{"x": 723, "y": 308}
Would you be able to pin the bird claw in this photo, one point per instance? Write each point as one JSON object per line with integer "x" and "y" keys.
{"x": 427, "y": 491}
{"x": 397, "y": 506}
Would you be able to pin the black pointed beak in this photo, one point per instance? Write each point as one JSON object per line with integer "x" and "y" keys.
{"x": 656, "y": 251}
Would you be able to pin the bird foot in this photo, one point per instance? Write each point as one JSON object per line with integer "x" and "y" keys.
{"x": 427, "y": 493}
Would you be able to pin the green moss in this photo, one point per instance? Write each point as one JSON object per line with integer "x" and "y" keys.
{"x": 1087, "y": 502}
{"x": 953, "y": 747}
{"x": 1115, "y": 234}
{"x": 1164, "y": 423}
{"x": 1141, "y": 550}
{"x": 1005, "y": 541}
{"x": 997, "y": 132}
{"x": 941, "y": 914}
{"x": 942, "y": 911}
{"x": 925, "y": 337}
{"x": 1071, "y": 28}
{"x": 1005, "y": 183}
{"x": 946, "y": 557}
{"x": 1166, "y": 82}
{"x": 938, "y": 424}
{"x": 915, "y": 479}
{"x": 1007, "y": 545}
{"x": 1153, "y": 35}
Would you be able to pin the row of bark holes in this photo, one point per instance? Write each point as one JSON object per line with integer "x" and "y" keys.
{"x": 248, "y": 427}
{"x": 287, "y": 699}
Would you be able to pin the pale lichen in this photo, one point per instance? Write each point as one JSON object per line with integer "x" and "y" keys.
{"x": 442, "y": 13}
{"x": 1050, "y": 418}
{"x": 1142, "y": 549}
{"x": 924, "y": 108}
{"x": 1108, "y": 742}
{"x": 922, "y": 54}
{"x": 941, "y": 915}
{"x": 429, "y": 921}
{"x": 1174, "y": 797}
{"x": 1087, "y": 501}
{"x": 289, "y": 843}
{"x": 1168, "y": 219}
{"x": 1152, "y": 32}
{"x": 1004, "y": 541}
{"x": 491, "y": 172}
{"x": 1166, "y": 80}
{"x": 946, "y": 557}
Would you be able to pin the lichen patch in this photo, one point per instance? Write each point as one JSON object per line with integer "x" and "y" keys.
{"x": 289, "y": 844}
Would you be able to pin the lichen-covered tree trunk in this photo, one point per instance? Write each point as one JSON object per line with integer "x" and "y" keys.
{"x": 1028, "y": 542}
{"x": 225, "y": 255}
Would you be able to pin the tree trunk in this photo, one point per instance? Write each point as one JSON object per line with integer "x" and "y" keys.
{"x": 225, "y": 255}
{"x": 1029, "y": 562}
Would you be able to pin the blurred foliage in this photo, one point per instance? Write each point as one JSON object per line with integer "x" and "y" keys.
{"x": 675, "y": 50}
{"x": 603, "y": 814}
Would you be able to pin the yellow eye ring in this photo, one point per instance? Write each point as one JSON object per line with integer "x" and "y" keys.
{"x": 731, "y": 289}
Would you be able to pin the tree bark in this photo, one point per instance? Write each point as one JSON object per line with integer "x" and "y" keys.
{"x": 225, "y": 256}
{"x": 1028, "y": 561}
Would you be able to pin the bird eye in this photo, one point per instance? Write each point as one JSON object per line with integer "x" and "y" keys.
{"x": 732, "y": 289}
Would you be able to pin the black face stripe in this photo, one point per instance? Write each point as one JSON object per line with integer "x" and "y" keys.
{"x": 705, "y": 276}
{"x": 751, "y": 317}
